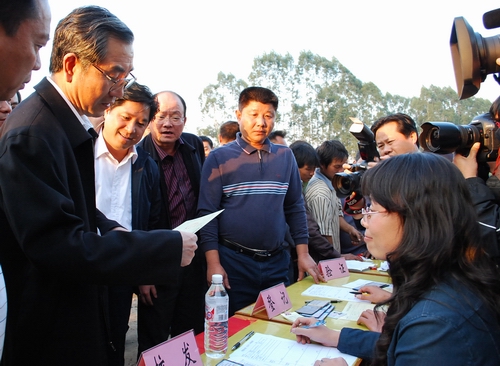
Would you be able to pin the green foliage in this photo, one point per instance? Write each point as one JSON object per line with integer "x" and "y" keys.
{"x": 218, "y": 102}
{"x": 317, "y": 97}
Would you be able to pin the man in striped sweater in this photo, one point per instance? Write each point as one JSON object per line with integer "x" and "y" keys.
{"x": 257, "y": 183}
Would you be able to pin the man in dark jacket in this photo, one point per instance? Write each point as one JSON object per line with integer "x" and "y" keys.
{"x": 169, "y": 310}
{"x": 52, "y": 257}
{"x": 20, "y": 24}
{"x": 127, "y": 190}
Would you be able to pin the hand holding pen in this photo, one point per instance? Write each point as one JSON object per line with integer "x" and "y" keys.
{"x": 306, "y": 331}
{"x": 372, "y": 293}
{"x": 317, "y": 324}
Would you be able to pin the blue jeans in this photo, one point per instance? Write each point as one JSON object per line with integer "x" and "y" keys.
{"x": 247, "y": 277}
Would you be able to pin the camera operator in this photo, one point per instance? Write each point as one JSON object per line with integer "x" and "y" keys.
{"x": 395, "y": 134}
{"x": 485, "y": 191}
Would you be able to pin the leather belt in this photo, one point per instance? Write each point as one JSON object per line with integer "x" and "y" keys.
{"x": 258, "y": 255}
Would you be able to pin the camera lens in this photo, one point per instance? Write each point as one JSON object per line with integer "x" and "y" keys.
{"x": 432, "y": 139}
{"x": 346, "y": 183}
{"x": 446, "y": 137}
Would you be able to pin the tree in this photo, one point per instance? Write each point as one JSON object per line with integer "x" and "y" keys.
{"x": 219, "y": 101}
{"x": 318, "y": 95}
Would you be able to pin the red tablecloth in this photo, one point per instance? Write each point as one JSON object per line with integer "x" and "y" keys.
{"x": 236, "y": 323}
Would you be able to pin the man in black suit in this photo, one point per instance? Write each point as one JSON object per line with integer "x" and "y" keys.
{"x": 21, "y": 23}
{"x": 24, "y": 30}
{"x": 53, "y": 258}
{"x": 179, "y": 306}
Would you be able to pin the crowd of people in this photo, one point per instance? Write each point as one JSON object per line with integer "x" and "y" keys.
{"x": 96, "y": 174}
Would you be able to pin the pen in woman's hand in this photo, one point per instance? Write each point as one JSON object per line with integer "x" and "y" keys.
{"x": 317, "y": 324}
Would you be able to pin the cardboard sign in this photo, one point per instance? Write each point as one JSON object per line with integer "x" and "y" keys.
{"x": 334, "y": 268}
{"x": 274, "y": 299}
{"x": 178, "y": 351}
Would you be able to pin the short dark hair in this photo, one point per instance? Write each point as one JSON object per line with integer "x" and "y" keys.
{"x": 177, "y": 95}
{"x": 329, "y": 150}
{"x": 277, "y": 133}
{"x": 228, "y": 130}
{"x": 495, "y": 109}
{"x": 406, "y": 125}
{"x": 139, "y": 94}
{"x": 258, "y": 94}
{"x": 86, "y": 32}
{"x": 207, "y": 139}
{"x": 304, "y": 154}
{"x": 14, "y": 12}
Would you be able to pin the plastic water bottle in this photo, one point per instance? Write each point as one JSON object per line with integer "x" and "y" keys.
{"x": 216, "y": 318}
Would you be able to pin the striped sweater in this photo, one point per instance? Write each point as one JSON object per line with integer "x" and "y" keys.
{"x": 260, "y": 191}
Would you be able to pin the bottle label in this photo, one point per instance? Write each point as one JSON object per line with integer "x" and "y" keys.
{"x": 217, "y": 313}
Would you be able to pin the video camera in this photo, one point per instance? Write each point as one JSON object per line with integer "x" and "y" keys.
{"x": 346, "y": 183}
{"x": 474, "y": 57}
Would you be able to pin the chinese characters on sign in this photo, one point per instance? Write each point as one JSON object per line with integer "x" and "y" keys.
{"x": 274, "y": 300}
{"x": 334, "y": 268}
{"x": 270, "y": 302}
{"x": 187, "y": 359}
{"x": 175, "y": 351}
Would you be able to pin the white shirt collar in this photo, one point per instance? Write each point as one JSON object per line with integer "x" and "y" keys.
{"x": 102, "y": 149}
{"x": 83, "y": 119}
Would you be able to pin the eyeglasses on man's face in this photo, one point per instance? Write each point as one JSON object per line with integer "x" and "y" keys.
{"x": 173, "y": 119}
{"x": 117, "y": 83}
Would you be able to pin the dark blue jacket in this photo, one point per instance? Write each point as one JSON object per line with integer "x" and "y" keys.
{"x": 450, "y": 325}
{"x": 146, "y": 197}
{"x": 193, "y": 156}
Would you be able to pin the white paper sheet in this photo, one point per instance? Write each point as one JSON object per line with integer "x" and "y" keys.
{"x": 352, "y": 310}
{"x": 192, "y": 226}
{"x": 357, "y": 266}
{"x": 360, "y": 283}
{"x": 267, "y": 350}
{"x": 331, "y": 292}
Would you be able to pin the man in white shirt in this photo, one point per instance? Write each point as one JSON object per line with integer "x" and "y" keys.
{"x": 127, "y": 189}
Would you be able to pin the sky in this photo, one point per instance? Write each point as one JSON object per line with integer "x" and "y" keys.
{"x": 400, "y": 46}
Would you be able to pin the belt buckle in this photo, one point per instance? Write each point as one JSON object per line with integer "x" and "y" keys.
{"x": 261, "y": 256}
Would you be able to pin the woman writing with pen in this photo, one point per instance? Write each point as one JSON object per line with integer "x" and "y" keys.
{"x": 445, "y": 305}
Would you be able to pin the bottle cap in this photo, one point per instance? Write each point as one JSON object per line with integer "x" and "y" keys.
{"x": 216, "y": 278}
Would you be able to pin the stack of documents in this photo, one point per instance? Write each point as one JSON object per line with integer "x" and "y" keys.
{"x": 358, "y": 266}
{"x": 267, "y": 350}
{"x": 331, "y": 292}
{"x": 315, "y": 308}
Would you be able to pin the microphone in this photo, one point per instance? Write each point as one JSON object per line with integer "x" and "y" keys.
{"x": 491, "y": 19}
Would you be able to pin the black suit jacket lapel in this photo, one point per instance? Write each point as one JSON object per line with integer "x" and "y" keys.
{"x": 80, "y": 140}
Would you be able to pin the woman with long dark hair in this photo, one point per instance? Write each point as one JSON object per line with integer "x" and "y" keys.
{"x": 445, "y": 306}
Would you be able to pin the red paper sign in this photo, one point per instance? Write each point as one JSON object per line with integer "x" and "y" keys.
{"x": 180, "y": 350}
{"x": 274, "y": 299}
{"x": 334, "y": 268}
